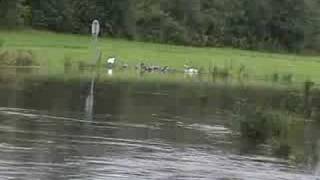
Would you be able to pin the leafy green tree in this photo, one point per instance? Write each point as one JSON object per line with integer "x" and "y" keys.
{"x": 52, "y": 14}
{"x": 292, "y": 25}
{"x": 11, "y": 13}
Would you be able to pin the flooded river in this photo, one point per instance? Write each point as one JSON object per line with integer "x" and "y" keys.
{"x": 52, "y": 128}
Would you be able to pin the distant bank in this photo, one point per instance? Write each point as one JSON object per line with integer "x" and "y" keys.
{"x": 52, "y": 50}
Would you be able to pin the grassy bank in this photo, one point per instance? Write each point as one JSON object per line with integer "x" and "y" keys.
{"x": 51, "y": 50}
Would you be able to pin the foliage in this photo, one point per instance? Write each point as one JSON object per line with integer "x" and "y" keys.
{"x": 173, "y": 32}
{"x": 17, "y": 58}
{"x": 67, "y": 63}
{"x": 11, "y": 13}
{"x": 287, "y": 78}
{"x": 1, "y": 42}
{"x": 220, "y": 72}
{"x": 258, "y": 123}
{"x": 262, "y": 24}
{"x": 293, "y": 102}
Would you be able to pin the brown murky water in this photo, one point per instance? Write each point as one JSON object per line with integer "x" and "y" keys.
{"x": 137, "y": 130}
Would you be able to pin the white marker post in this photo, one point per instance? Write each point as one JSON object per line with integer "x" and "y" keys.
{"x": 95, "y": 30}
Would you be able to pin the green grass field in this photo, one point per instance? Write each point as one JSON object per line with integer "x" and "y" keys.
{"x": 52, "y": 49}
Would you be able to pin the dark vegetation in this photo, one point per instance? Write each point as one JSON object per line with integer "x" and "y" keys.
{"x": 281, "y": 25}
{"x": 17, "y": 58}
{"x": 1, "y": 42}
{"x": 279, "y": 118}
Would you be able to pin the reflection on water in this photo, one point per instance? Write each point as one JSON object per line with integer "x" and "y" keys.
{"x": 317, "y": 171}
{"x": 144, "y": 130}
{"x": 90, "y": 101}
{"x": 110, "y": 72}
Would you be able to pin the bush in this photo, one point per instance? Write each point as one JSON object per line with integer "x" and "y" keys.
{"x": 67, "y": 63}
{"x": 25, "y": 58}
{"x": 5, "y": 58}
{"x": 148, "y": 28}
{"x": 1, "y": 42}
{"x": 82, "y": 65}
{"x": 275, "y": 77}
{"x": 260, "y": 124}
{"x": 223, "y": 73}
{"x": 173, "y": 32}
{"x": 293, "y": 101}
{"x": 315, "y": 104}
{"x": 287, "y": 78}
{"x": 17, "y": 58}
{"x": 313, "y": 44}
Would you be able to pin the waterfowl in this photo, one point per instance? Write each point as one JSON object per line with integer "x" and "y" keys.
{"x": 165, "y": 69}
{"x": 125, "y": 66}
{"x": 111, "y": 62}
{"x": 152, "y": 68}
{"x": 190, "y": 70}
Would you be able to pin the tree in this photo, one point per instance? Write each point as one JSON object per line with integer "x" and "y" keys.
{"x": 291, "y": 25}
{"x": 52, "y": 14}
{"x": 11, "y": 12}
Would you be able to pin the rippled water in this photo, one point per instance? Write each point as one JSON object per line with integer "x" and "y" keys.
{"x": 136, "y": 132}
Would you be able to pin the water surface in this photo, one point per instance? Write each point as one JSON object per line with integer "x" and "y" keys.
{"x": 53, "y": 129}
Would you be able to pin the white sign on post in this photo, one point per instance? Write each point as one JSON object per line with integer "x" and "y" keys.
{"x": 95, "y": 28}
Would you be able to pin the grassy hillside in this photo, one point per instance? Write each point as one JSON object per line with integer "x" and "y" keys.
{"x": 52, "y": 49}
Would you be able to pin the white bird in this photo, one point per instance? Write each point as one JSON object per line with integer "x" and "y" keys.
{"x": 190, "y": 70}
{"x": 111, "y": 61}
